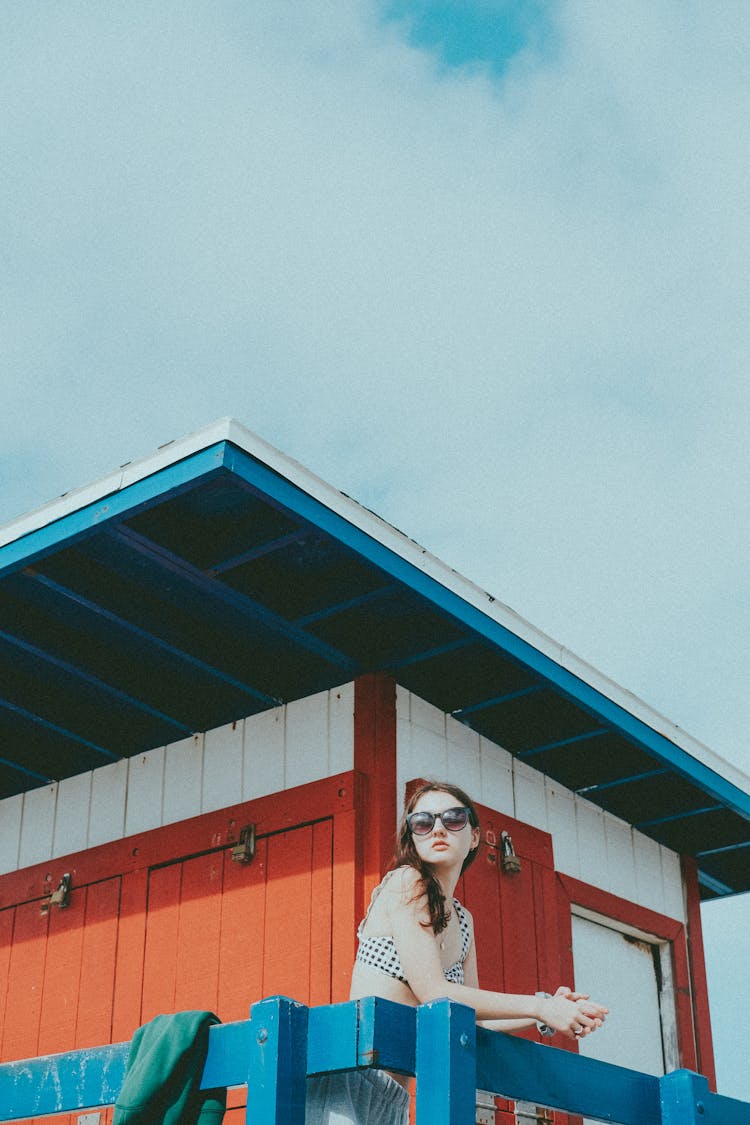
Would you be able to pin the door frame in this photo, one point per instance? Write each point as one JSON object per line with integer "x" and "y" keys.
{"x": 575, "y": 896}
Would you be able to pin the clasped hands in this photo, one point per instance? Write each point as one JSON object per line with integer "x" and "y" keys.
{"x": 572, "y": 1013}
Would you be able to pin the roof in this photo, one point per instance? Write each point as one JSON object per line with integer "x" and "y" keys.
{"x": 218, "y": 578}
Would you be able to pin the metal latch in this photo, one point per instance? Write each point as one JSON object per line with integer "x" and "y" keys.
{"x": 59, "y": 897}
{"x": 244, "y": 850}
{"x": 511, "y": 864}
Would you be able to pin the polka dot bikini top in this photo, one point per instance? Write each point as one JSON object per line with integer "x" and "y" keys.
{"x": 379, "y": 952}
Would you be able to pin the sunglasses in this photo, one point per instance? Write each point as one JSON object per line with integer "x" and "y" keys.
{"x": 420, "y": 823}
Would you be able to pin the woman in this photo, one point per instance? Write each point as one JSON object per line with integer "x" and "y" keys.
{"x": 416, "y": 943}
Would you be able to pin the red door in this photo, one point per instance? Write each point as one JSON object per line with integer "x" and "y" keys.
{"x": 515, "y": 920}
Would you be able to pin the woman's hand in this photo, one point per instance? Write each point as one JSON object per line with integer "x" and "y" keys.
{"x": 572, "y": 1013}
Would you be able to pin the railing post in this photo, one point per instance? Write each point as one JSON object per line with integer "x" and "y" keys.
{"x": 684, "y": 1097}
{"x": 446, "y": 1064}
{"x": 277, "y": 1066}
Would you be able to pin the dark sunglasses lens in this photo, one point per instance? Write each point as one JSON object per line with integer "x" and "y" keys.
{"x": 455, "y": 819}
{"x": 421, "y": 823}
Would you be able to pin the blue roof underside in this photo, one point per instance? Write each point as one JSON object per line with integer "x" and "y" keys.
{"x": 218, "y": 550}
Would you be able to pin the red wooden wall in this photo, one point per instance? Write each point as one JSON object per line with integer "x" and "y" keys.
{"x": 168, "y": 921}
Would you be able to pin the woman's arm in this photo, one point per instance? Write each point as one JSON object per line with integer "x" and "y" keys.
{"x": 420, "y": 961}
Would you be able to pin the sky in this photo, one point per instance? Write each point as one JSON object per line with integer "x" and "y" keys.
{"x": 481, "y": 264}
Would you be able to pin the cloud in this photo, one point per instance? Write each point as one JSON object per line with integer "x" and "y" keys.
{"x": 505, "y": 309}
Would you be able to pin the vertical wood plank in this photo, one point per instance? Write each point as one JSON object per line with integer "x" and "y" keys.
{"x": 545, "y": 924}
{"x": 96, "y": 990}
{"x": 481, "y": 893}
{"x": 131, "y": 942}
{"x": 162, "y": 932}
{"x": 697, "y": 966}
{"x": 375, "y": 757}
{"x": 347, "y": 903}
{"x": 286, "y": 946}
{"x": 7, "y": 918}
{"x": 241, "y": 934}
{"x": 306, "y": 748}
{"x": 277, "y": 1057}
{"x": 197, "y": 951}
{"x": 446, "y": 1064}
{"x": 518, "y": 930}
{"x": 25, "y": 982}
{"x": 321, "y": 886}
{"x": 62, "y": 972}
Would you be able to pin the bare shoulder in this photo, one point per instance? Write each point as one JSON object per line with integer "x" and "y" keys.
{"x": 405, "y": 899}
{"x": 403, "y": 880}
{"x": 403, "y": 886}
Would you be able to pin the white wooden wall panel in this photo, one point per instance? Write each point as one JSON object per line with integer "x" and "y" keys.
{"x": 593, "y": 866}
{"x": 341, "y": 729}
{"x": 621, "y": 859}
{"x": 406, "y": 765}
{"x": 674, "y": 894}
{"x": 464, "y": 759}
{"x": 145, "y": 791}
{"x": 37, "y": 825}
{"x": 183, "y": 773}
{"x": 529, "y": 796}
{"x": 306, "y": 749}
{"x": 649, "y": 879}
{"x": 426, "y": 715}
{"x": 108, "y": 793}
{"x": 496, "y": 771}
{"x": 426, "y": 754}
{"x": 263, "y": 754}
{"x": 222, "y": 766}
{"x": 11, "y": 811}
{"x": 72, "y": 814}
{"x": 562, "y": 825}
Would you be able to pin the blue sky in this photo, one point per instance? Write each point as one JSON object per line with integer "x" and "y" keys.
{"x": 482, "y": 266}
{"x": 487, "y": 33}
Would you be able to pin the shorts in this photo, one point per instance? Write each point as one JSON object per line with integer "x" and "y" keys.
{"x": 356, "y": 1097}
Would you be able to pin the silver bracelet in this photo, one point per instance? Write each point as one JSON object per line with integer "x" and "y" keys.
{"x": 544, "y": 1028}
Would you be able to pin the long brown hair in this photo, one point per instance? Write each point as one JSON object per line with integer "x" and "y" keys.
{"x": 406, "y": 854}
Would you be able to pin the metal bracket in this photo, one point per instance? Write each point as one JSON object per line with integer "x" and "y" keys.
{"x": 244, "y": 850}
{"x": 60, "y": 896}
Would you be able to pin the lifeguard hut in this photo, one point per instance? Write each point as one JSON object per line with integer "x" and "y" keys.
{"x": 219, "y": 676}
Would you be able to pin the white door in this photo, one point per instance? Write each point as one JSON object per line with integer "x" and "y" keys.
{"x": 632, "y": 977}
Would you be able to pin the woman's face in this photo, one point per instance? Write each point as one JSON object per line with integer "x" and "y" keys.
{"x": 439, "y": 846}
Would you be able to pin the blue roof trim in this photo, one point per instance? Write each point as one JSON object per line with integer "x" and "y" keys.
{"x": 307, "y": 507}
{"x": 182, "y": 474}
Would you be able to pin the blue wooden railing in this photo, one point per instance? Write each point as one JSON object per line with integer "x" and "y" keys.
{"x": 283, "y": 1042}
